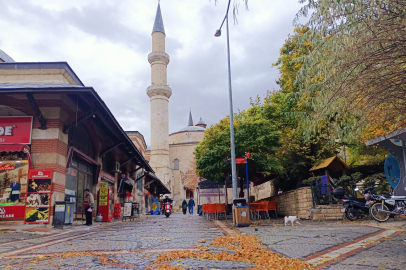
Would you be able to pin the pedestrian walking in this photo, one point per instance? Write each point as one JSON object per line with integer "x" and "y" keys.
{"x": 191, "y": 205}
{"x": 184, "y": 207}
{"x": 88, "y": 203}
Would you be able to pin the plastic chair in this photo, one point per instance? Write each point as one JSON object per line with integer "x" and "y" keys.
{"x": 263, "y": 207}
{"x": 204, "y": 208}
{"x": 211, "y": 210}
{"x": 254, "y": 210}
{"x": 272, "y": 207}
{"x": 220, "y": 209}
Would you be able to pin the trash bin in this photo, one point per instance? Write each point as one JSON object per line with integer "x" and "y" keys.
{"x": 240, "y": 202}
{"x": 241, "y": 213}
{"x": 241, "y": 216}
{"x": 63, "y": 214}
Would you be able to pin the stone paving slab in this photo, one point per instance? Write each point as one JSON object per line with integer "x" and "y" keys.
{"x": 23, "y": 240}
{"x": 8, "y": 236}
{"x": 305, "y": 240}
{"x": 389, "y": 254}
{"x": 210, "y": 264}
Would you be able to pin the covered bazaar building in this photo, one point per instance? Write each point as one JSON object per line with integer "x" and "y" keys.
{"x": 49, "y": 120}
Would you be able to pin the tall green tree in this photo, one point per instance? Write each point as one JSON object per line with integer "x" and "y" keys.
{"x": 253, "y": 134}
{"x": 286, "y": 110}
{"x": 360, "y": 58}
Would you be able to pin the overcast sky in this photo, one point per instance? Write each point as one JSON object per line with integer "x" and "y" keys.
{"x": 106, "y": 42}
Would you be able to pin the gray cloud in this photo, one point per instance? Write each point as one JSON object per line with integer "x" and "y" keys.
{"x": 107, "y": 43}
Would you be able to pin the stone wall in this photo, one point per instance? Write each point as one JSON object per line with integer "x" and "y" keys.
{"x": 299, "y": 202}
{"x": 294, "y": 203}
{"x": 326, "y": 212}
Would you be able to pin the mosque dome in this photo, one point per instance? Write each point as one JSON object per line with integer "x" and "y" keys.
{"x": 4, "y": 57}
{"x": 201, "y": 123}
{"x": 191, "y": 127}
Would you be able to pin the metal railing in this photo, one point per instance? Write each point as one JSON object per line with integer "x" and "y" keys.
{"x": 322, "y": 195}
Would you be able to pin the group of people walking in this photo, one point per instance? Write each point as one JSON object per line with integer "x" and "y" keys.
{"x": 189, "y": 204}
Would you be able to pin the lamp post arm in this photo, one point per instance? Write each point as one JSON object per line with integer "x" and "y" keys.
{"x": 229, "y": 2}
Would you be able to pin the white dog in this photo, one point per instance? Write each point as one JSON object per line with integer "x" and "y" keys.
{"x": 291, "y": 219}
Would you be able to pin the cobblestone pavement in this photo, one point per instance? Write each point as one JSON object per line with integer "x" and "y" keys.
{"x": 136, "y": 245}
{"x": 307, "y": 239}
{"x": 9, "y": 236}
{"x": 119, "y": 246}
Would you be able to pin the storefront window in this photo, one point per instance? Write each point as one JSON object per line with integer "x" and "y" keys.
{"x": 78, "y": 178}
{"x": 13, "y": 178}
{"x": 139, "y": 184}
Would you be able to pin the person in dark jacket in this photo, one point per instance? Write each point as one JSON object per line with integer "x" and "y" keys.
{"x": 184, "y": 207}
{"x": 191, "y": 205}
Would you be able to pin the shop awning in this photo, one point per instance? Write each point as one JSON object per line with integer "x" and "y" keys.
{"x": 80, "y": 154}
{"x": 154, "y": 185}
{"x": 17, "y": 148}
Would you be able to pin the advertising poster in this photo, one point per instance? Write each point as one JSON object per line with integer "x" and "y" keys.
{"x": 103, "y": 197}
{"x": 127, "y": 209}
{"x": 38, "y": 199}
{"x": 36, "y": 215}
{"x": 13, "y": 186}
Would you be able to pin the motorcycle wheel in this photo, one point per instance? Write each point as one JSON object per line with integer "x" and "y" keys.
{"x": 379, "y": 216}
{"x": 167, "y": 215}
{"x": 350, "y": 216}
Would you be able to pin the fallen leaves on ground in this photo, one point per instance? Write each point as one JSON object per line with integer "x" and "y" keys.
{"x": 246, "y": 248}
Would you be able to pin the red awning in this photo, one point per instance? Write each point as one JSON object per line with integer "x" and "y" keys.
{"x": 80, "y": 154}
{"x": 17, "y": 148}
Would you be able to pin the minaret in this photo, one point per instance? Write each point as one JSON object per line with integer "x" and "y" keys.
{"x": 159, "y": 93}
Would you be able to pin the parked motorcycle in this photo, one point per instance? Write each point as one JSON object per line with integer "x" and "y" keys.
{"x": 387, "y": 206}
{"x": 167, "y": 209}
{"x": 355, "y": 208}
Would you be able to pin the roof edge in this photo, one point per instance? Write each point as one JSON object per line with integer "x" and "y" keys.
{"x": 43, "y": 65}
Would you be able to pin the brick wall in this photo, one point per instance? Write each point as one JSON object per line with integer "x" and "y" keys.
{"x": 294, "y": 203}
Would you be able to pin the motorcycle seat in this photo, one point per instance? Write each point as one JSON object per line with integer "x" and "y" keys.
{"x": 357, "y": 199}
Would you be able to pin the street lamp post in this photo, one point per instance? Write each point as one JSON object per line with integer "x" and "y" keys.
{"x": 230, "y": 93}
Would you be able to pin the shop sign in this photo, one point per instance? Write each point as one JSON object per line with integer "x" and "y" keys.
{"x": 103, "y": 197}
{"x": 40, "y": 174}
{"x": 7, "y": 167}
{"x": 10, "y": 212}
{"x": 15, "y": 130}
{"x": 240, "y": 160}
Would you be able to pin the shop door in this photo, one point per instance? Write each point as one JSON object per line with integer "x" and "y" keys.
{"x": 85, "y": 181}
{"x": 79, "y": 177}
